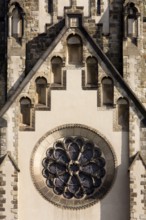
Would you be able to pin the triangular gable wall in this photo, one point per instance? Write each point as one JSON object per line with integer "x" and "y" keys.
{"x": 103, "y": 61}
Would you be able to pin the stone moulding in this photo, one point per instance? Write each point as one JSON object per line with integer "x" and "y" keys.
{"x": 47, "y": 142}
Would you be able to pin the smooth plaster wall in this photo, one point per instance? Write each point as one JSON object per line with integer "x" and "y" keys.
{"x": 74, "y": 106}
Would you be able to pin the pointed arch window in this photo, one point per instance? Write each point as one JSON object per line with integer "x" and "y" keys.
{"x": 17, "y": 23}
{"x": 107, "y": 91}
{"x": 123, "y": 112}
{"x": 92, "y": 71}
{"x": 75, "y": 50}
{"x": 131, "y": 20}
{"x": 25, "y": 110}
{"x": 41, "y": 85}
{"x": 56, "y": 65}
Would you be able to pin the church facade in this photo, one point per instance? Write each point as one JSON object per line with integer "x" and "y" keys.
{"x": 72, "y": 109}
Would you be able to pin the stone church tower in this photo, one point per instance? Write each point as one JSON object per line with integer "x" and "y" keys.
{"x": 72, "y": 109}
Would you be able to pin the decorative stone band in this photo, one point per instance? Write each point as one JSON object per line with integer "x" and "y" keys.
{"x": 73, "y": 166}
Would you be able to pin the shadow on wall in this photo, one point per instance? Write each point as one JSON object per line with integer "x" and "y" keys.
{"x": 116, "y": 204}
{"x": 34, "y": 49}
{"x": 38, "y": 45}
{"x": 109, "y": 35}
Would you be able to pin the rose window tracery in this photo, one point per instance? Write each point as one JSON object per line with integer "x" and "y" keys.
{"x": 74, "y": 167}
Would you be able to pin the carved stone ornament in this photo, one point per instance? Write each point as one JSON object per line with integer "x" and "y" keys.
{"x": 72, "y": 166}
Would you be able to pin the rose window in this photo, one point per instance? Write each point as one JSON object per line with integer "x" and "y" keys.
{"x": 74, "y": 167}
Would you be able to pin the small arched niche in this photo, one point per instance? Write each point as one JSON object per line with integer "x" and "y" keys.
{"x": 75, "y": 50}
{"x": 17, "y": 21}
{"x": 25, "y": 110}
{"x": 92, "y": 71}
{"x": 56, "y": 65}
{"x": 41, "y": 84}
{"x": 123, "y": 112}
{"x": 107, "y": 91}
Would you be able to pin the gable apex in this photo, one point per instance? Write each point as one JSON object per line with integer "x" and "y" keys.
{"x": 104, "y": 61}
{"x": 11, "y": 159}
{"x": 138, "y": 156}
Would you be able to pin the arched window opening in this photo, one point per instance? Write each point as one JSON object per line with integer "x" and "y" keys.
{"x": 41, "y": 84}
{"x": 108, "y": 91}
{"x": 92, "y": 71}
{"x": 17, "y": 23}
{"x": 132, "y": 15}
{"x": 75, "y": 50}
{"x": 123, "y": 112}
{"x": 56, "y": 65}
{"x": 25, "y": 110}
{"x": 98, "y": 7}
{"x": 50, "y": 6}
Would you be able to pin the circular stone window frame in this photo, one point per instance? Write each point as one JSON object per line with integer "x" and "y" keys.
{"x": 47, "y": 141}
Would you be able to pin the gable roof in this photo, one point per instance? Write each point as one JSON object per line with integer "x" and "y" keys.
{"x": 11, "y": 159}
{"x": 138, "y": 156}
{"x": 104, "y": 61}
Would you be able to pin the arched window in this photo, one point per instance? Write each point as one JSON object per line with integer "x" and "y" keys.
{"x": 41, "y": 84}
{"x": 25, "y": 109}
{"x": 17, "y": 23}
{"x": 50, "y": 6}
{"x": 92, "y": 71}
{"x": 75, "y": 50}
{"x": 98, "y": 7}
{"x": 123, "y": 112}
{"x": 56, "y": 65}
{"x": 131, "y": 19}
{"x": 107, "y": 91}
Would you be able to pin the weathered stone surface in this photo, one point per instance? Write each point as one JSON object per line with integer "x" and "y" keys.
{"x": 24, "y": 60}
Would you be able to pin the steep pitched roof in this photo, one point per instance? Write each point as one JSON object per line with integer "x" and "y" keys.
{"x": 104, "y": 61}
